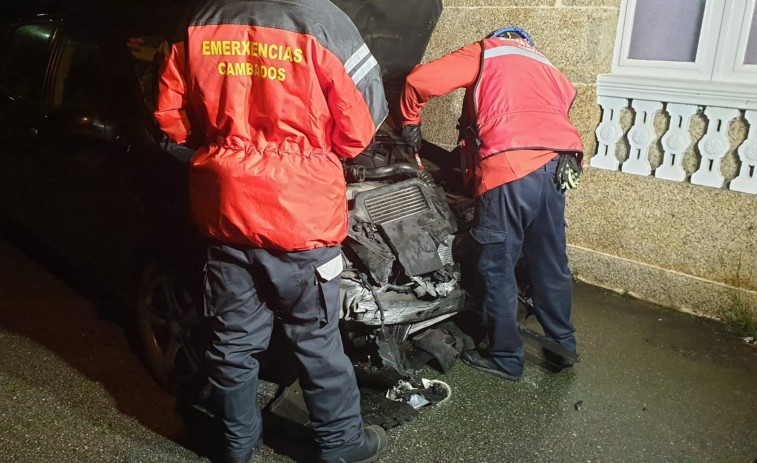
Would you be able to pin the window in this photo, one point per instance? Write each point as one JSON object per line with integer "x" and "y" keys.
{"x": 677, "y": 23}
{"x": 79, "y": 82}
{"x": 697, "y": 48}
{"x": 751, "y": 47}
{"x": 24, "y": 54}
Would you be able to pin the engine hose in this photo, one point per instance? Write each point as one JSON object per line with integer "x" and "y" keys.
{"x": 364, "y": 279}
{"x": 357, "y": 174}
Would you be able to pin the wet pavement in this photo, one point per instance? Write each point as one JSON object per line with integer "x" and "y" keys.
{"x": 653, "y": 385}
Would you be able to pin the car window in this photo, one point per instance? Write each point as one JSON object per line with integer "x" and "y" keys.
{"x": 80, "y": 82}
{"x": 24, "y": 54}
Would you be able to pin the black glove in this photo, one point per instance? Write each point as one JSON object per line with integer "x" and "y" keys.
{"x": 411, "y": 134}
{"x": 568, "y": 172}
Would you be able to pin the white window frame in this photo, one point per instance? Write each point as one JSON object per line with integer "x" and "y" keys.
{"x": 731, "y": 67}
{"x": 716, "y": 78}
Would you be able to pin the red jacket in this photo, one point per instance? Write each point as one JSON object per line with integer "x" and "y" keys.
{"x": 516, "y": 102}
{"x": 278, "y": 91}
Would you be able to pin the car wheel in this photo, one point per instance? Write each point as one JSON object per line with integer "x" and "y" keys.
{"x": 170, "y": 326}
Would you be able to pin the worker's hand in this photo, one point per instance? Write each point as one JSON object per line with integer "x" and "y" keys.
{"x": 568, "y": 172}
{"x": 411, "y": 134}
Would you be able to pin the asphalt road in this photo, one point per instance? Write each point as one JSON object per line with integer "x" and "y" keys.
{"x": 653, "y": 385}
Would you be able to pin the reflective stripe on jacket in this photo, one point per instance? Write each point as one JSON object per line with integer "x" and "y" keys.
{"x": 279, "y": 91}
{"x": 520, "y": 106}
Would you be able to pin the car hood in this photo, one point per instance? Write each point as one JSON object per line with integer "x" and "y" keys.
{"x": 397, "y": 33}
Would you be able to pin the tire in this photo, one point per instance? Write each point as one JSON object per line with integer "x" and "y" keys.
{"x": 170, "y": 326}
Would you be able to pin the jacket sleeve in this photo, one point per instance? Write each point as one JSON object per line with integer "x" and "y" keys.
{"x": 173, "y": 101}
{"x": 455, "y": 70}
{"x": 354, "y": 93}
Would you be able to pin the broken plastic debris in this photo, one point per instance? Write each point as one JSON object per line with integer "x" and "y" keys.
{"x": 430, "y": 391}
{"x": 417, "y": 401}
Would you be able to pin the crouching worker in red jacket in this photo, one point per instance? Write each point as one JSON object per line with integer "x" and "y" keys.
{"x": 277, "y": 91}
{"x": 522, "y": 152}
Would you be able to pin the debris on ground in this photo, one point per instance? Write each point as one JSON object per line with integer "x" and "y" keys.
{"x": 430, "y": 391}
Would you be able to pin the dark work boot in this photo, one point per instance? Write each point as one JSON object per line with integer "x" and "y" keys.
{"x": 560, "y": 362}
{"x": 474, "y": 359}
{"x": 248, "y": 458}
{"x": 373, "y": 443}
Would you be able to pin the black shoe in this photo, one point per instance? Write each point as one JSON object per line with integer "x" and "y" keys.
{"x": 560, "y": 362}
{"x": 374, "y": 442}
{"x": 248, "y": 458}
{"x": 474, "y": 359}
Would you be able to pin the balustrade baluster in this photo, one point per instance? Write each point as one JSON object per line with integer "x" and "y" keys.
{"x": 713, "y": 146}
{"x": 609, "y": 132}
{"x": 747, "y": 179}
{"x": 676, "y": 141}
{"x": 641, "y": 136}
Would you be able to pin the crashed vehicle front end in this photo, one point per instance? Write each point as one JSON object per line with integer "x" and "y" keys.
{"x": 408, "y": 248}
{"x": 401, "y": 265}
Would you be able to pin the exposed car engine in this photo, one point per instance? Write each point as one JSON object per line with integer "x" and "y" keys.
{"x": 402, "y": 268}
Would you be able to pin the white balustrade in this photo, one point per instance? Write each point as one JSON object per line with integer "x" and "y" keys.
{"x": 713, "y": 146}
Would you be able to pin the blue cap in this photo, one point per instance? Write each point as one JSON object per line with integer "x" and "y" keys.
{"x": 508, "y": 32}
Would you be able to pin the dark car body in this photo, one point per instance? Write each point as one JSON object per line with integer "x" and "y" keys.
{"x": 82, "y": 168}
{"x": 85, "y": 170}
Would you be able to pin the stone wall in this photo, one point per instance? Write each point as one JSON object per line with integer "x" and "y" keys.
{"x": 681, "y": 245}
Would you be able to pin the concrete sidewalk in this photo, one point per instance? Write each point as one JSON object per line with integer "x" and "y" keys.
{"x": 653, "y": 385}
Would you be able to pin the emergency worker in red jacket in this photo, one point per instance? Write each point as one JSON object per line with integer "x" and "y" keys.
{"x": 277, "y": 92}
{"x": 521, "y": 152}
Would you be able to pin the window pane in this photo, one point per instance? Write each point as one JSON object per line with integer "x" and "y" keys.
{"x": 26, "y": 52}
{"x": 751, "y": 48}
{"x": 667, "y": 30}
{"x": 79, "y": 82}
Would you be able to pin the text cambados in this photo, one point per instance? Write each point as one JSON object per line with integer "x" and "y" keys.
{"x": 270, "y": 51}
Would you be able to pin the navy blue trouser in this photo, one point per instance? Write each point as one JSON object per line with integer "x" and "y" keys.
{"x": 243, "y": 288}
{"x": 526, "y": 216}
